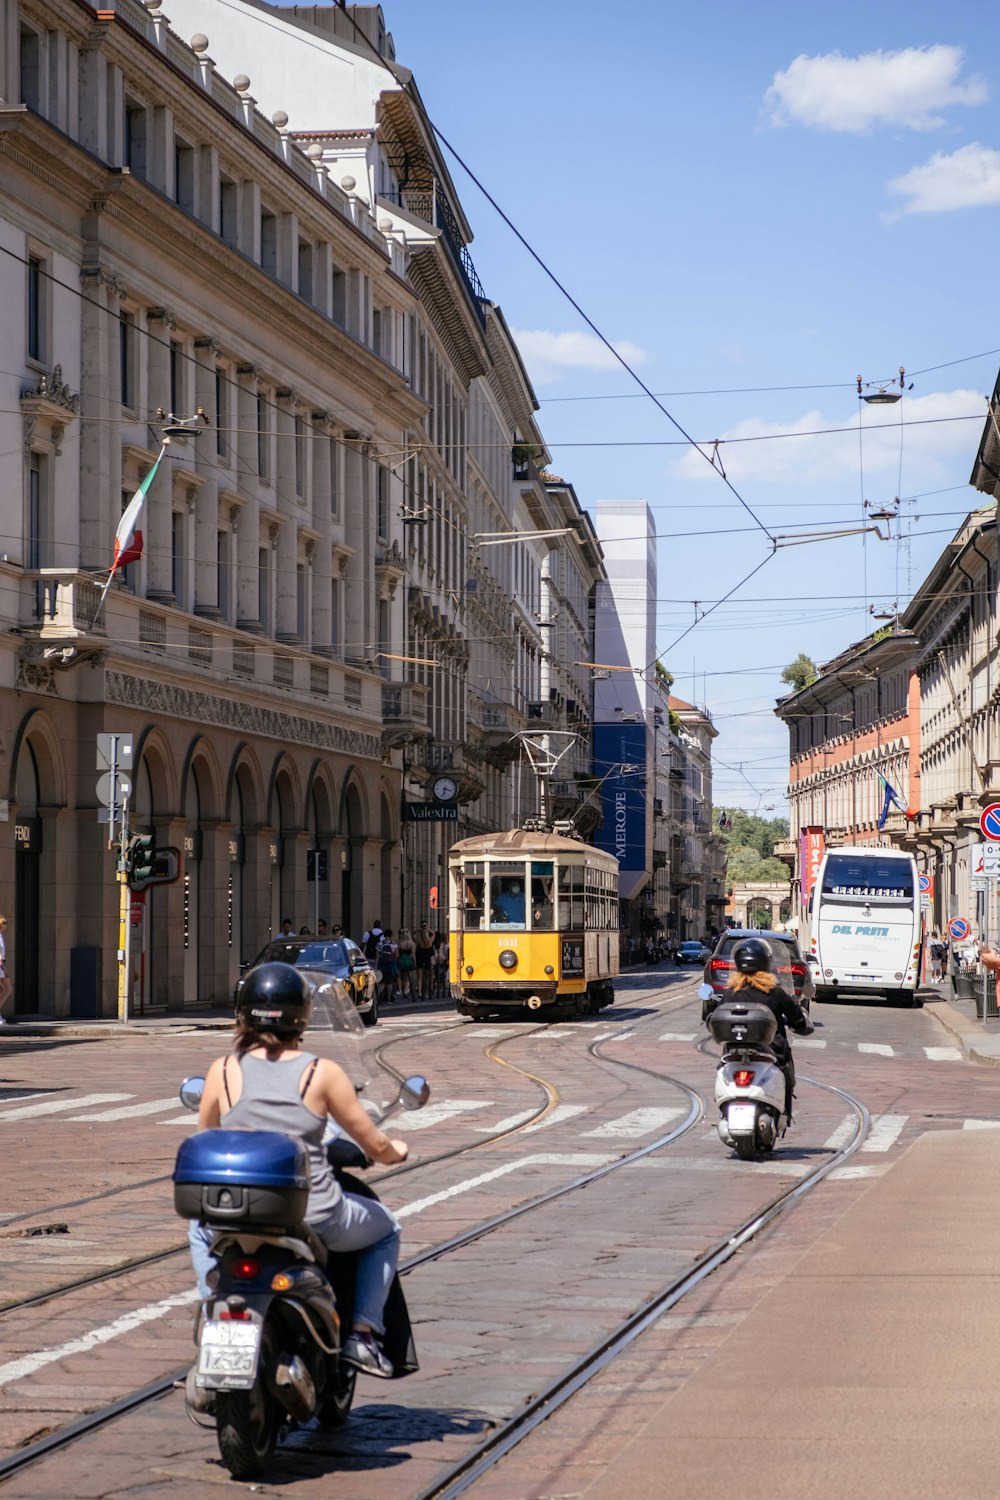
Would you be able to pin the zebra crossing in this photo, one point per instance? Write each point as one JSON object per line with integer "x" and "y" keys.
{"x": 871, "y": 1049}
{"x": 632, "y": 1126}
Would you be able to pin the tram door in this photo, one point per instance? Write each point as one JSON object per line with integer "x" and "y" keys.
{"x": 28, "y": 845}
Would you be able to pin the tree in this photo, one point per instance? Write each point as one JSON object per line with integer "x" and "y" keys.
{"x": 800, "y": 673}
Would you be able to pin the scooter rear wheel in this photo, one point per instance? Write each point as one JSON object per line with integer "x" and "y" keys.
{"x": 336, "y": 1404}
{"x": 746, "y": 1147}
{"x": 247, "y": 1424}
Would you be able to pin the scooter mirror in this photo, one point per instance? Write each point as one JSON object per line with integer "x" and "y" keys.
{"x": 706, "y": 992}
{"x": 414, "y": 1092}
{"x": 191, "y": 1092}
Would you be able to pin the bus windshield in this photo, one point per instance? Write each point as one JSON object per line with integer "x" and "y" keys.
{"x": 868, "y": 876}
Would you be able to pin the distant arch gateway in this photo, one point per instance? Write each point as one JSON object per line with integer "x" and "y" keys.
{"x": 761, "y": 903}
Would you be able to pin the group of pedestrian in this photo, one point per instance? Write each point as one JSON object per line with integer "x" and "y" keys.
{"x": 409, "y": 962}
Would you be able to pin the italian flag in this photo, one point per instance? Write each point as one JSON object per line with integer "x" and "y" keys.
{"x": 128, "y": 537}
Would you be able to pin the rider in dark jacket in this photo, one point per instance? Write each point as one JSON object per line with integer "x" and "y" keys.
{"x": 753, "y": 975}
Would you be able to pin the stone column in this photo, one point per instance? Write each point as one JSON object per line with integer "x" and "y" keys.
{"x": 244, "y": 444}
{"x": 206, "y": 517}
{"x": 286, "y": 626}
{"x": 158, "y": 513}
{"x": 322, "y": 523}
{"x": 100, "y": 446}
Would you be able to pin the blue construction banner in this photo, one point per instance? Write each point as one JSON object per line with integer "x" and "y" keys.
{"x": 620, "y": 762}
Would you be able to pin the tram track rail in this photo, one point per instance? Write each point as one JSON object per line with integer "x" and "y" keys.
{"x": 484, "y": 1456}
{"x": 125, "y": 1268}
{"x": 91, "y": 1422}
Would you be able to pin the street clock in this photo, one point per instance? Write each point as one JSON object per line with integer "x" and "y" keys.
{"x": 445, "y": 789}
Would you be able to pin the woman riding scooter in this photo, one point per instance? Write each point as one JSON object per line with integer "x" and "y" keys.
{"x": 753, "y": 970}
{"x": 269, "y": 1083}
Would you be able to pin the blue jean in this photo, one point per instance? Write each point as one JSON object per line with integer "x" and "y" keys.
{"x": 356, "y": 1223}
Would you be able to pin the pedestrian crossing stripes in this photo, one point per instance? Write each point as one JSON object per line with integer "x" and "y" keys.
{"x": 132, "y": 1111}
{"x": 62, "y": 1106}
{"x": 637, "y": 1122}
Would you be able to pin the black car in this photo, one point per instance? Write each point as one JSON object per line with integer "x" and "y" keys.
{"x": 326, "y": 960}
{"x": 789, "y": 965}
{"x": 691, "y": 953}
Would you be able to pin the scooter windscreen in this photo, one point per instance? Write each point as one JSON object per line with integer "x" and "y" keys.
{"x": 338, "y": 1031}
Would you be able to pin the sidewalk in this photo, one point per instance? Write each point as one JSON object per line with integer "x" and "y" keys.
{"x": 155, "y": 1023}
{"x": 980, "y": 1040}
{"x": 872, "y": 1370}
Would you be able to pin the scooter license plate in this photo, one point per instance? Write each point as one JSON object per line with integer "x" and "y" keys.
{"x": 227, "y": 1354}
{"x": 741, "y": 1119}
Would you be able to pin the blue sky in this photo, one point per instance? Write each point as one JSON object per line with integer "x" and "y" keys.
{"x": 741, "y": 196}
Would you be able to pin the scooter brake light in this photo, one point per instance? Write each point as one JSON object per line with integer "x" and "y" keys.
{"x": 229, "y": 1315}
{"x": 743, "y": 1078}
{"x": 245, "y": 1270}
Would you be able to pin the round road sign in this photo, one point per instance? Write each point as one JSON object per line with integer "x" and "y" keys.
{"x": 959, "y": 929}
{"x": 989, "y": 822}
{"x": 926, "y": 882}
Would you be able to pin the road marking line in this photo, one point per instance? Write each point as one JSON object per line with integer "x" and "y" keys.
{"x": 678, "y": 1036}
{"x": 436, "y": 1114}
{"x": 809, "y": 1041}
{"x": 560, "y": 1113}
{"x": 60, "y": 1106}
{"x": 185, "y": 1119}
{"x": 843, "y": 1133}
{"x": 944, "y": 1054}
{"x": 636, "y": 1122}
{"x": 981, "y": 1124}
{"x": 845, "y": 1174}
{"x": 540, "y": 1158}
{"x": 879, "y": 1048}
{"x": 130, "y": 1111}
{"x": 884, "y": 1132}
{"x": 18, "y": 1368}
{"x": 508, "y": 1124}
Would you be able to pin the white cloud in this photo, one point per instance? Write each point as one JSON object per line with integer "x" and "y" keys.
{"x": 968, "y": 178}
{"x": 908, "y": 88}
{"x": 547, "y": 354}
{"x": 808, "y": 460}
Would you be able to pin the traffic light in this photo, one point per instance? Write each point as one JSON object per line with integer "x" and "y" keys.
{"x": 140, "y": 858}
{"x": 145, "y": 865}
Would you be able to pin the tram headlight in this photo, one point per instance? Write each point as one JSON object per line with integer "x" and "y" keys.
{"x": 508, "y": 959}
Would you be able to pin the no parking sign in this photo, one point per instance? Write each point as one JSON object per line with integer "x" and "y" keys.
{"x": 958, "y": 929}
{"x": 989, "y": 822}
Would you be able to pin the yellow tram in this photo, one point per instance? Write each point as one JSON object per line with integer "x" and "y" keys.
{"x": 533, "y": 921}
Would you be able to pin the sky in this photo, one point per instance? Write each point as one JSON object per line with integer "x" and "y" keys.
{"x": 755, "y": 205}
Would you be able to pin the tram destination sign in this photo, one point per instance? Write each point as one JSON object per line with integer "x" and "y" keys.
{"x": 430, "y": 812}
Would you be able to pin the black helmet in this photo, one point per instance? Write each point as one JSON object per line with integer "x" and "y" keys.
{"x": 752, "y": 956}
{"x": 275, "y": 997}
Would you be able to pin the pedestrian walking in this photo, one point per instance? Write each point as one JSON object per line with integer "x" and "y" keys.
{"x": 406, "y": 961}
{"x": 388, "y": 963}
{"x": 424, "y": 943}
{"x": 370, "y": 940}
{"x": 6, "y": 988}
{"x": 439, "y": 965}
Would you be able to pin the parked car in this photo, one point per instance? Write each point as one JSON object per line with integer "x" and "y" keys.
{"x": 691, "y": 953}
{"x": 789, "y": 965}
{"x": 337, "y": 961}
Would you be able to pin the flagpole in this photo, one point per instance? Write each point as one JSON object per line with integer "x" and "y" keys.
{"x": 140, "y": 494}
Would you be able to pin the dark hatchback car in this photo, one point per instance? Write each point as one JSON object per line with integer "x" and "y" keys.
{"x": 336, "y": 961}
{"x": 789, "y": 965}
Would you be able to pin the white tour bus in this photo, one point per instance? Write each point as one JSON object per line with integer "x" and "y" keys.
{"x": 865, "y": 922}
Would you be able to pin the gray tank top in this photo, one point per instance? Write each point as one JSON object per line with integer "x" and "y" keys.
{"x": 271, "y": 1101}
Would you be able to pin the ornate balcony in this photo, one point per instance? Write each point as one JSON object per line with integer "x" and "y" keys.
{"x": 404, "y": 713}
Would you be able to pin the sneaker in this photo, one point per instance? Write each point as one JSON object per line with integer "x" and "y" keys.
{"x": 363, "y": 1353}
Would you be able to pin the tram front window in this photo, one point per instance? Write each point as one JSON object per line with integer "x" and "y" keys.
{"x": 507, "y": 901}
{"x": 475, "y": 886}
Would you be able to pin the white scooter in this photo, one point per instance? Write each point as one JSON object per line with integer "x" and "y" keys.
{"x": 749, "y": 1082}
